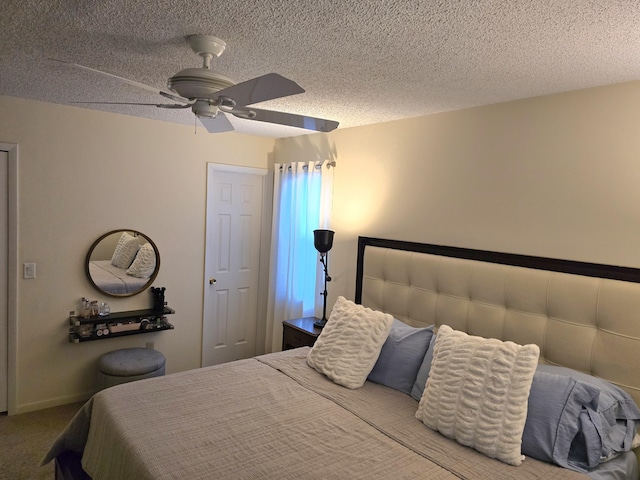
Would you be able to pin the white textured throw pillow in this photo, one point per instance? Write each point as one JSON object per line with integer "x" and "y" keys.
{"x": 350, "y": 343}
{"x": 145, "y": 263}
{"x": 125, "y": 251}
{"x": 477, "y": 392}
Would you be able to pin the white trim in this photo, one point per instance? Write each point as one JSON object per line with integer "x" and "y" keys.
{"x": 12, "y": 281}
{"x": 265, "y": 258}
{"x": 55, "y": 402}
{"x": 237, "y": 169}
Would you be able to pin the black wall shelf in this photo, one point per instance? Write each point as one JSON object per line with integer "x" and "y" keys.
{"x": 118, "y": 324}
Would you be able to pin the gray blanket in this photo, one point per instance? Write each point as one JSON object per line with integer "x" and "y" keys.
{"x": 271, "y": 417}
{"x": 114, "y": 280}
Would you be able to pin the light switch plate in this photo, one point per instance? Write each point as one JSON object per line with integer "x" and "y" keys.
{"x": 29, "y": 270}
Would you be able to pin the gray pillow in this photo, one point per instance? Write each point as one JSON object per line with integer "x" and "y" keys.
{"x": 576, "y": 420}
{"x": 423, "y": 372}
{"x": 401, "y": 355}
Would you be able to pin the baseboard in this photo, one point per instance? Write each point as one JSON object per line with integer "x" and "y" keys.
{"x": 53, "y": 402}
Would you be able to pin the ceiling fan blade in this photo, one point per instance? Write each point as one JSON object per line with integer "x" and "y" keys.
{"x": 218, "y": 124}
{"x": 169, "y": 95}
{"x": 260, "y": 89}
{"x": 289, "y": 119}
{"x": 159, "y": 105}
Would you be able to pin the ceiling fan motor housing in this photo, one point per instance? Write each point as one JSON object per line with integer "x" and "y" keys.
{"x": 198, "y": 83}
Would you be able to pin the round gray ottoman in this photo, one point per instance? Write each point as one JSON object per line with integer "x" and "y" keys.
{"x": 129, "y": 364}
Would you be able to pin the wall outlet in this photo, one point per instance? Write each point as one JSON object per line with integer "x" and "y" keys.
{"x": 150, "y": 345}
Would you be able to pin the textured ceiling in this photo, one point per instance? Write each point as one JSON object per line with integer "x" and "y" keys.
{"x": 360, "y": 62}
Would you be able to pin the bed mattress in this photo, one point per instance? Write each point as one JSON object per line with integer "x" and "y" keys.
{"x": 270, "y": 417}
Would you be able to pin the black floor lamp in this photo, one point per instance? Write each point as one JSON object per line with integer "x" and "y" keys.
{"x": 323, "y": 241}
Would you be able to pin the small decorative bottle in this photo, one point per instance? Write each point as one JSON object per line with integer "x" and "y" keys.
{"x": 85, "y": 308}
{"x": 104, "y": 309}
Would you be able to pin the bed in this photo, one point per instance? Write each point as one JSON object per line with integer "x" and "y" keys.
{"x": 281, "y": 416}
{"x": 114, "y": 280}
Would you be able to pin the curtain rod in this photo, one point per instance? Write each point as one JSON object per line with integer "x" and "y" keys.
{"x": 329, "y": 164}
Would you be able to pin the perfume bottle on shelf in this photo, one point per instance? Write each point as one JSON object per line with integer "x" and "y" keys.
{"x": 85, "y": 308}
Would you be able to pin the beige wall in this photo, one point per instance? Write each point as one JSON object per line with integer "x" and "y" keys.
{"x": 555, "y": 176}
{"x": 81, "y": 174}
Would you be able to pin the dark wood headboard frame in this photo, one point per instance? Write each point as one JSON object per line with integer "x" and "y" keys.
{"x": 540, "y": 263}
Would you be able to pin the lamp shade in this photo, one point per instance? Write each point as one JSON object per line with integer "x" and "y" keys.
{"x": 323, "y": 240}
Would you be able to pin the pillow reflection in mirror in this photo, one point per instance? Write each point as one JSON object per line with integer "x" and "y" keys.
{"x": 145, "y": 262}
{"x": 125, "y": 251}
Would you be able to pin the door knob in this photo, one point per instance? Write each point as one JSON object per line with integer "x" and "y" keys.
{"x": 212, "y": 281}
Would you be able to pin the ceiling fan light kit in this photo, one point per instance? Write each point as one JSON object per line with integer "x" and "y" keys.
{"x": 211, "y": 96}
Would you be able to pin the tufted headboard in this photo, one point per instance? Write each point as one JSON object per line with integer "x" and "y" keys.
{"x": 583, "y": 316}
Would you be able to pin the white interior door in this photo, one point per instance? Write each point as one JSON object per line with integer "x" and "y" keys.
{"x": 4, "y": 278}
{"x": 232, "y": 263}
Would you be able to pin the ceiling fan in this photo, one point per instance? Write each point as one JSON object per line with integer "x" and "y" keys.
{"x": 211, "y": 96}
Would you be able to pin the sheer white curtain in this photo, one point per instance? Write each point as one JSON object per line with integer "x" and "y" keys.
{"x": 302, "y": 202}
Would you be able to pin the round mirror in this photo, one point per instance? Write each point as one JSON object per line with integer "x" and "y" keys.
{"x": 122, "y": 263}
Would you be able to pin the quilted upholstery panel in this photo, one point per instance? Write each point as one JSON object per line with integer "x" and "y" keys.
{"x": 589, "y": 324}
{"x": 619, "y": 308}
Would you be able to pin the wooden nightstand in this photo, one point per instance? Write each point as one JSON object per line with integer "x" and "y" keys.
{"x": 299, "y": 332}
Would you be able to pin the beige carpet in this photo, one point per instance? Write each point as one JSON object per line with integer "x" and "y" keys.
{"x": 25, "y": 438}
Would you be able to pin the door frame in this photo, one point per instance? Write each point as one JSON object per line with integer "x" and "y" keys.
{"x": 12, "y": 274}
{"x": 265, "y": 247}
